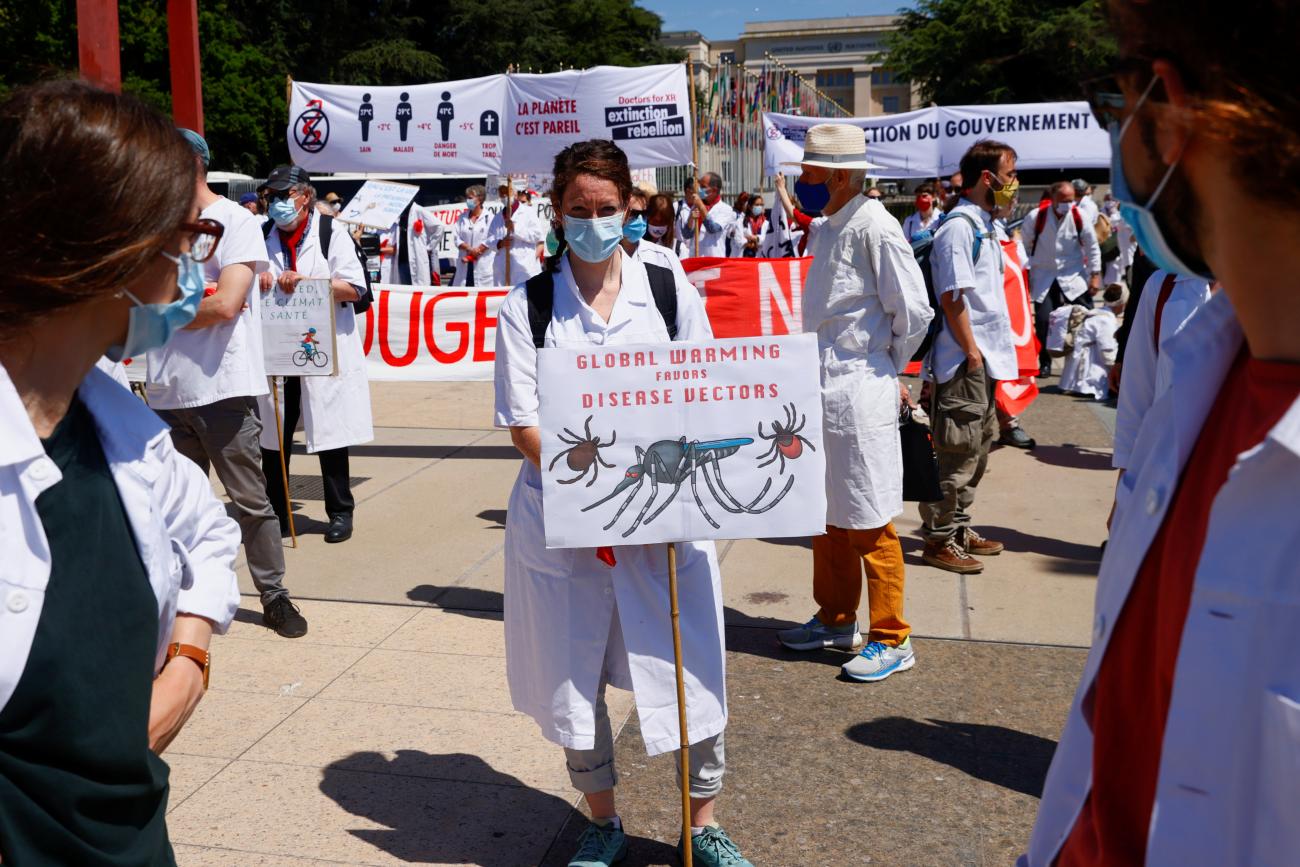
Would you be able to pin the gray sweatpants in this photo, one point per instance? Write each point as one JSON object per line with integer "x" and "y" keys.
{"x": 225, "y": 435}
{"x": 593, "y": 770}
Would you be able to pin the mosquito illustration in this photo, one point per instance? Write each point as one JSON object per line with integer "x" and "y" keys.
{"x": 785, "y": 439}
{"x": 583, "y": 454}
{"x": 673, "y": 462}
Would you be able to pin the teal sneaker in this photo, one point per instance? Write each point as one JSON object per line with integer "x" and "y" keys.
{"x": 713, "y": 848}
{"x": 814, "y": 635}
{"x": 600, "y": 846}
{"x": 878, "y": 661}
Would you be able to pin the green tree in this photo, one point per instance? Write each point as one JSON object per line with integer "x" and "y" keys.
{"x": 962, "y": 52}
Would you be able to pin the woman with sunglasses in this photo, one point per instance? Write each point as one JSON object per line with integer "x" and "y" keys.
{"x": 1182, "y": 745}
{"x": 118, "y": 558}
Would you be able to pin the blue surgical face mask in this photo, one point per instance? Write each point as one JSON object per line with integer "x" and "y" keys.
{"x": 282, "y": 212}
{"x": 471, "y": 204}
{"x": 593, "y": 240}
{"x": 152, "y": 325}
{"x": 634, "y": 230}
{"x": 1140, "y": 218}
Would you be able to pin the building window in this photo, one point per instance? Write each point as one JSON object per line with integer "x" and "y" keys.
{"x": 889, "y": 105}
{"x": 829, "y": 78}
{"x": 726, "y": 57}
{"x": 881, "y": 77}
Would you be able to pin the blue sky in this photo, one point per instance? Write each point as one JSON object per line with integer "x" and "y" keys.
{"x": 726, "y": 19}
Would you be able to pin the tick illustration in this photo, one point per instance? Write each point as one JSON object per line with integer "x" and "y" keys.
{"x": 583, "y": 454}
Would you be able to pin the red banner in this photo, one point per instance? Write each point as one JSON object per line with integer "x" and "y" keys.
{"x": 751, "y": 297}
{"x": 1014, "y": 397}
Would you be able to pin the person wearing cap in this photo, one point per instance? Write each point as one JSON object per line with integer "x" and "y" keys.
{"x": 205, "y": 382}
{"x": 866, "y": 300}
{"x": 515, "y": 232}
{"x": 1086, "y": 204}
{"x": 335, "y": 410}
{"x": 971, "y": 353}
{"x": 252, "y": 203}
{"x": 334, "y": 202}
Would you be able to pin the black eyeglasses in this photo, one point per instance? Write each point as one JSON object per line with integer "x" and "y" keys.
{"x": 633, "y": 213}
{"x": 203, "y": 237}
{"x": 1105, "y": 96}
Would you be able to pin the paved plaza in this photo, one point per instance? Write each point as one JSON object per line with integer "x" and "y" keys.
{"x": 386, "y": 735}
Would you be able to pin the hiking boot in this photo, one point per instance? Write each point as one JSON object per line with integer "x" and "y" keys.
{"x": 284, "y": 617}
{"x": 713, "y": 848}
{"x": 950, "y": 555}
{"x": 976, "y": 544}
{"x": 814, "y": 635}
{"x": 600, "y": 846}
{"x": 878, "y": 661}
{"x": 1017, "y": 438}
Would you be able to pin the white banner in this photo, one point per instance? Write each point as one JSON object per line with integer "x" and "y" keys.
{"x": 378, "y": 203}
{"x": 431, "y": 333}
{"x": 644, "y": 110}
{"x": 452, "y": 127}
{"x": 929, "y": 143}
{"x": 298, "y": 330}
{"x": 679, "y": 442}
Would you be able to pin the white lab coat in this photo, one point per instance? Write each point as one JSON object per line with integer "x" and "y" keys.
{"x": 742, "y": 234}
{"x": 1065, "y": 253}
{"x": 335, "y": 409}
{"x": 1228, "y": 783}
{"x": 568, "y": 615}
{"x": 1113, "y": 271}
{"x": 914, "y": 223}
{"x": 1087, "y": 367}
{"x": 714, "y": 232}
{"x": 422, "y": 235}
{"x": 866, "y": 300}
{"x": 184, "y": 537}
{"x": 473, "y": 233}
{"x": 522, "y": 251}
{"x": 1147, "y": 371}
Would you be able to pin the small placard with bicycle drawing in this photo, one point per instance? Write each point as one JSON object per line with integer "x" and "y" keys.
{"x": 681, "y": 442}
{"x": 298, "y": 330}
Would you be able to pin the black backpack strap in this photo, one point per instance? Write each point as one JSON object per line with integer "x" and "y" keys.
{"x": 663, "y": 286}
{"x": 540, "y": 290}
{"x": 326, "y": 229}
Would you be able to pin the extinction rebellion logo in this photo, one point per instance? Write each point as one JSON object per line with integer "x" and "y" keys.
{"x": 651, "y": 120}
{"x": 312, "y": 128}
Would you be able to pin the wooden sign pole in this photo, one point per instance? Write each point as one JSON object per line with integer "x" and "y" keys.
{"x": 685, "y": 757}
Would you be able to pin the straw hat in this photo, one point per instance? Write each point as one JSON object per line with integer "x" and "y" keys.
{"x": 834, "y": 146}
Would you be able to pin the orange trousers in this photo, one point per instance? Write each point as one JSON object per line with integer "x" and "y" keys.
{"x": 838, "y": 560}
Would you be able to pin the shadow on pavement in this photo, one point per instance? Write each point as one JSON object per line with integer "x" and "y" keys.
{"x": 1001, "y": 756}
{"x": 431, "y": 819}
{"x": 433, "y": 452}
{"x": 1029, "y": 543}
{"x": 469, "y": 601}
{"x": 495, "y": 517}
{"x": 792, "y": 541}
{"x": 1073, "y": 457}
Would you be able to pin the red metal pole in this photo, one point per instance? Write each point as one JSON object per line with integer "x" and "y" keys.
{"x": 183, "y": 44}
{"x": 98, "y": 50}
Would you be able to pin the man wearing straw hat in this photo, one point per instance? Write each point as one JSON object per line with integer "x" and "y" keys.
{"x": 865, "y": 298}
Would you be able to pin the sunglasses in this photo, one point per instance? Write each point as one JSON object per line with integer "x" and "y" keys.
{"x": 1105, "y": 96}
{"x": 277, "y": 195}
{"x": 203, "y": 237}
{"x": 633, "y": 213}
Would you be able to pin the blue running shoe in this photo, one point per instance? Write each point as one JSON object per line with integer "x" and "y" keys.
{"x": 713, "y": 848}
{"x": 878, "y": 661}
{"x": 814, "y": 635}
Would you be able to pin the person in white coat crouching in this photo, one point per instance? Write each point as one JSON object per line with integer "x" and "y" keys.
{"x": 335, "y": 410}
{"x": 118, "y": 559}
{"x": 1087, "y": 368}
{"x": 866, "y": 300}
{"x": 576, "y": 621}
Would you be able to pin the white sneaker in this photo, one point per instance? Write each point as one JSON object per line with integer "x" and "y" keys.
{"x": 878, "y": 661}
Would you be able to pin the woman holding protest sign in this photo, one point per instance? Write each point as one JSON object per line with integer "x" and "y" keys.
{"x": 578, "y": 620}
{"x": 118, "y": 558}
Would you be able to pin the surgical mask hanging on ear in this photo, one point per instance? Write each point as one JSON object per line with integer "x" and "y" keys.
{"x": 593, "y": 240}
{"x": 1140, "y": 218}
{"x": 150, "y": 326}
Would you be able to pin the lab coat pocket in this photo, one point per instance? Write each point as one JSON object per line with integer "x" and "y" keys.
{"x": 1277, "y": 835}
{"x": 959, "y": 415}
